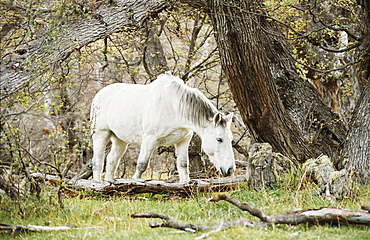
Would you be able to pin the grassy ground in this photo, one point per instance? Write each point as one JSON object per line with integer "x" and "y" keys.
{"x": 112, "y": 214}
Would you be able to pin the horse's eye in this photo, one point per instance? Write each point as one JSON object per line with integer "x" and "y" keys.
{"x": 219, "y": 139}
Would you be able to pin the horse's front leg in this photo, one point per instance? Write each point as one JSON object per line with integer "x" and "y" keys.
{"x": 183, "y": 158}
{"x": 147, "y": 147}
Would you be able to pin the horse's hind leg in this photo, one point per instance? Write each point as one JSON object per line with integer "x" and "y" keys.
{"x": 100, "y": 140}
{"x": 118, "y": 149}
{"x": 147, "y": 147}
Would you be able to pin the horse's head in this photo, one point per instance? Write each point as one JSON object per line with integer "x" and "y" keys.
{"x": 216, "y": 143}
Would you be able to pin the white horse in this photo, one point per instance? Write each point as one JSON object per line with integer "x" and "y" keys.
{"x": 165, "y": 112}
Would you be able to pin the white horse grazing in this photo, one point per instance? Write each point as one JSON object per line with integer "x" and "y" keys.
{"x": 165, "y": 112}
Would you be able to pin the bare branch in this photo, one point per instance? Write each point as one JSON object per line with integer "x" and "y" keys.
{"x": 329, "y": 70}
{"x": 44, "y": 52}
{"x": 36, "y": 228}
{"x": 242, "y": 206}
{"x": 189, "y": 227}
{"x": 313, "y": 216}
{"x": 310, "y": 216}
{"x": 170, "y": 223}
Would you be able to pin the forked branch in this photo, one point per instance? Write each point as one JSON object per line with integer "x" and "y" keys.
{"x": 170, "y": 223}
{"x": 189, "y": 227}
{"x": 334, "y": 216}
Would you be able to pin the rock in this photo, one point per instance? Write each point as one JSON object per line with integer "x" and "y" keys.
{"x": 333, "y": 183}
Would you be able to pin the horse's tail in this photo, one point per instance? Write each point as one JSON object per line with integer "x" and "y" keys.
{"x": 94, "y": 111}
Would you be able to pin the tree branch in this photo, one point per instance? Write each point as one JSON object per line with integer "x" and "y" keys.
{"x": 334, "y": 216}
{"x": 134, "y": 186}
{"x": 311, "y": 216}
{"x": 41, "y": 54}
{"x": 189, "y": 227}
{"x": 242, "y": 206}
{"x": 170, "y": 223}
{"x": 36, "y": 228}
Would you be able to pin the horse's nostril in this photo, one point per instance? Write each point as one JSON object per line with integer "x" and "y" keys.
{"x": 227, "y": 172}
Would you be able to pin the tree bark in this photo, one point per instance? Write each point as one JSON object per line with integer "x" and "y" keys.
{"x": 312, "y": 216}
{"x": 36, "y": 228}
{"x": 154, "y": 60}
{"x": 135, "y": 186}
{"x": 169, "y": 222}
{"x": 9, "y": 188}
{"x": 273, "y": 100}
{"x": 14, "y": 20}
{"x": 241, "y": 43}
{"x": 40, "y": 55}
{"x": 356, "y": 150}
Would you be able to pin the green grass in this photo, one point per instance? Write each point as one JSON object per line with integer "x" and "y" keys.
{"x": 113, "y": 214}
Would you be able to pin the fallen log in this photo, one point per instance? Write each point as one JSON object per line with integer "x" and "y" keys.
{"x": 134, "y": 186}
{"x": 320, "y": 216}
{"x": 34, "y": 228}
{"x": 169, "y": 222}
{"x": 37, "y": 228}
{"x": 334, "y": 216}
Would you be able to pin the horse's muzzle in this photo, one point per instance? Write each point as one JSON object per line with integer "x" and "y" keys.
{"x": 227, "y": 172}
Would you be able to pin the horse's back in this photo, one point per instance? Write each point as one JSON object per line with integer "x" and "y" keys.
{"x": 116, "y": 101}
{"x": 133, "y": 111}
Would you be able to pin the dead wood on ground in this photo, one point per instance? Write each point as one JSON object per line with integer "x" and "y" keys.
{"x": 335, "y": 216}
{"x": 320, "y": 216}
{"x": 36, "y": 228}
{"x": 169, "y": 222}
{"x": 135, "y": 186}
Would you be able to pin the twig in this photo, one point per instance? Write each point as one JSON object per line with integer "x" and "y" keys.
{"x": 207, "y": 234}
{"x": 225, "y": 225}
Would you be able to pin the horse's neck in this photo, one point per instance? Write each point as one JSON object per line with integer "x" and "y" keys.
{"x": 199, "y": 130}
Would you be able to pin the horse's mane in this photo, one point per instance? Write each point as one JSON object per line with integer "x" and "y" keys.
{"x": 193, "y": 105}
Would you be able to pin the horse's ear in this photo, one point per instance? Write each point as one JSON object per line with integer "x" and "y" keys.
{"x": 217, "y": 118}
{"x": 229, "y": 117}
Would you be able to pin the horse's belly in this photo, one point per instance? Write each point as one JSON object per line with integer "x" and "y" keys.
{"x": 129, "y": 135}
{"x": 163, "y": 139}
{"x": 174, "y": 137}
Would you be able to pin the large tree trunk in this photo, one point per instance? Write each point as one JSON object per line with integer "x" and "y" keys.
{"x": 154, "y": 60}
{"x": 356, "y": 151}
{"x": 245, "y": 63}
{"x": 273, "y": 100}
